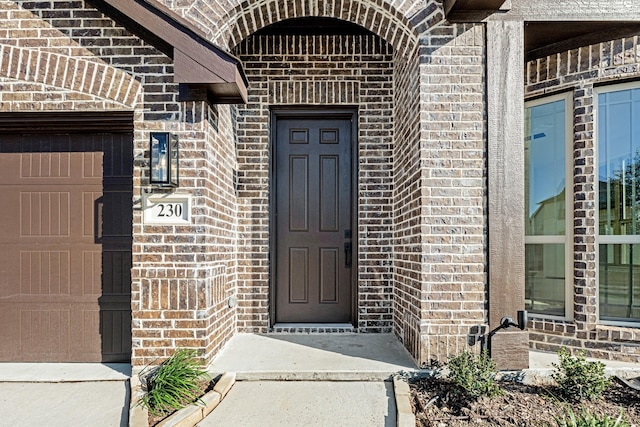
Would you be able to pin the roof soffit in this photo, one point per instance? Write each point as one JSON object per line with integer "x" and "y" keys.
{"x": 198, "y": 63}
{"x": 455, "y": 8}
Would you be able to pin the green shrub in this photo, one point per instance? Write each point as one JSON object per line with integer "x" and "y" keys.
{"x": 579, "y": 379}
{"x": 474, "y": 375}
{"x": 586, "y": 419}
{"x": 173, "y": 384}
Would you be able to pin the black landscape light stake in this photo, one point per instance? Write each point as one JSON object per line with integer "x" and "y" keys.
{"x": 164, "y": 159}
{"x": 505, "y": 323}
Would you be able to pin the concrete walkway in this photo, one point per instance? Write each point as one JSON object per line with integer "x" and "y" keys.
{"x": 64, "y": 394}
{"x": 326, "y": 380}
{"x": 310, "y": 380}
{"x": 283, "y": 380}
{"x": 306, "y": 403}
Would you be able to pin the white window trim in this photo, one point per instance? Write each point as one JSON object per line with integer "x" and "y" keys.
{"x": 567, "y": 239}
{"x": 607, "y": 239}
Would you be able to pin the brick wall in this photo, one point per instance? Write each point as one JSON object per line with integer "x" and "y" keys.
{"x": 407, "y": 209}
{"x": 432, "y": 183}
{"x": 183, "y": 276}
{"x": 229, "y": 22}
{"x": 43, "y": 69}
{"x": 579, "y": 70}
{"x": 61, "y": 55}
{"x": 440, "y": 191}
{"x": 317, "y": 70}
{"x": 421, "y": 264}
{"x": 453, "y": 188}
{"x": 436, "y": 270}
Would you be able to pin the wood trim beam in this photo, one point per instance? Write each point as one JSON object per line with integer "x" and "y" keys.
{"x": 197, "y": 61}
{"x": 57, "y": 122}
{"x": 570, "y": 10}
{"x": 505, "y": 130}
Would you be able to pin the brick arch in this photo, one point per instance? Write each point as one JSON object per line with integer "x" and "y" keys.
{"x": 68, "y": 73}
{"x": 372, "y": 15}
{"x": 399, "y": 25}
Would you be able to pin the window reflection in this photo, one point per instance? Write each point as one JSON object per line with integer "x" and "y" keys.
{"x": 545, "y": 207}
{"x": 545, "y": 278}
{"x": 619, "y": 204}
{"x": 619, "y": 162}
{"x": 545, "y": 169}
{"x": 619, "y": 279}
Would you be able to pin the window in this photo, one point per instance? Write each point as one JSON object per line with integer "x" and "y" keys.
{"x": 547, "y": 205}
{"x": 618, "y": 121}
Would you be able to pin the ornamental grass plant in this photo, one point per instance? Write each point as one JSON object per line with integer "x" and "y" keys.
{"x": 587, "y": 419}
{"x": 174, "y": 384}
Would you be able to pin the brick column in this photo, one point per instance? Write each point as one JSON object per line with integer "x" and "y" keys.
{"x": 505, "y": 99}
{"x": 447, "y": 268}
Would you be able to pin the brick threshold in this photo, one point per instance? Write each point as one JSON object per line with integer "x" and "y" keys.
{"x": 312, "y": 328}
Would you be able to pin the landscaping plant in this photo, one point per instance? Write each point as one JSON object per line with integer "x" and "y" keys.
{"x": 579, "y": 379}
{"x": 474, "y": 375}
{"x": 173, "y": 384}
{"x": 586, "y": 419}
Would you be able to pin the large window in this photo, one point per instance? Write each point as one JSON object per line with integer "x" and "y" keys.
{"x": 618, "y": 122}
{"x": 547, "y": 205}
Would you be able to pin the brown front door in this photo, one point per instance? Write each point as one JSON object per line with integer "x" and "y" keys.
{"x": 313, "y": 176}
{"x": 65, "y": 247}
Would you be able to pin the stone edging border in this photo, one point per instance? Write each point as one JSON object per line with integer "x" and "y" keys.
{"x": 186, "y": 417}
{"x": 404, "y": 414}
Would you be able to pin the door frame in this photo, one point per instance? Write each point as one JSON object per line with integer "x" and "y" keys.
{"x": 326, "y": 112}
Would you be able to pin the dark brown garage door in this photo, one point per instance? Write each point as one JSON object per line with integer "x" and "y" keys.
{"x": 65, "y": 247}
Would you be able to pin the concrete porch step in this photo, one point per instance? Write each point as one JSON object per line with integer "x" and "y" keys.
{"x": 313, "y": 357}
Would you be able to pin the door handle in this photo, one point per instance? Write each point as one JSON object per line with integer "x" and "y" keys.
{"x": 347, "y": 254}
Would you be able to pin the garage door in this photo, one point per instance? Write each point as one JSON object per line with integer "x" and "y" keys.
{"x": 65, "y": 247}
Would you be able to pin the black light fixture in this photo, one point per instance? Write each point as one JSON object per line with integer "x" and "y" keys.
{"x": 164, "y": 159}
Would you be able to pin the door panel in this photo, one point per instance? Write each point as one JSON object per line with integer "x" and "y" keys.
{"x": 298, "y": 275}
{"x": 298, "y": 193}
{"x": 329, "y": 274}
{"x": 65, "y": 247}
{"x": 329, "y": 192}
{"x": 313, "y": 169}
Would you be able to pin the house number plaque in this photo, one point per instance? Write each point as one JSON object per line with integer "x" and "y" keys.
{"x": 173, "y": 209}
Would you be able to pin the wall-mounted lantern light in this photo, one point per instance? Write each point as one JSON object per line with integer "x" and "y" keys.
{"x": 164, "y": 159}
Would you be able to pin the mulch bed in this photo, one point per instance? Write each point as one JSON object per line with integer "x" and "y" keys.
{"x": 436, "y": 404}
